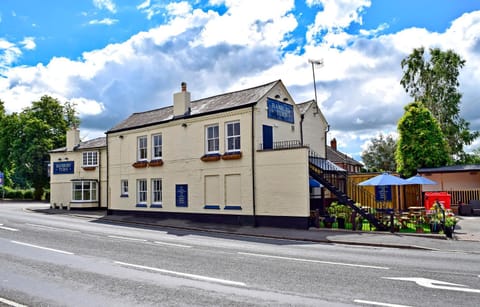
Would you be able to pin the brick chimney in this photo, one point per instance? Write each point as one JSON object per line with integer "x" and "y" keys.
{"x": 333, "y": 144}
{"x": 181, "y": 102}
{"x": 73, "y": 138}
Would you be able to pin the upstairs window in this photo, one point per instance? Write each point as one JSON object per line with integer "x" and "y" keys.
{"x": 142, "y": 148}
{"x": 212, "y": 139}
{"x": 90, "y": 158}
{"x": 233, "y": 136}
{"x": 157, "y": 146}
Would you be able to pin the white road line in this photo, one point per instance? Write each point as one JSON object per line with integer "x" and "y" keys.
{"x": 11, "y": 303}
{"x": 127, "y": 238}
{"x": 172, "y": 244}
{"x": 8, "y": 228}
{"x": 52, "y": 228}
{"x": 192, "y": 276}
{"x": 379, "y": 304}
{"x": 41, "y": 247}
{"x": 317, "y": 261}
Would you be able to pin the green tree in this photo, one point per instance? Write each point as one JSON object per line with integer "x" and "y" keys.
{"x": 421, "y": 141}
{"x": 380, "y": 154}
{"x": 433, "y": 80}
{"x": 40, "y": 128}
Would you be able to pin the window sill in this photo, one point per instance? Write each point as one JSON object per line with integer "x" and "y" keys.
{"x": 156, "y": 206}
{"x": 124, "y": 195}
{"x": 211, "y": 157}
{"x": 140, "y": 164}
{"x": 232, "y": 155}
{"x": 233, "y": 208}
{"x": 141, "y": 205}
{"x": 156, "y": 162}
{"x": 215, "y": 207}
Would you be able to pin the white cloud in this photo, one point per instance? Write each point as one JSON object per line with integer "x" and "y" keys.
{"x": 105, "y": 21}
{"x": 9, "y": 53}
{"x": 29, "y": 43}
{"x": 108, "y": 5}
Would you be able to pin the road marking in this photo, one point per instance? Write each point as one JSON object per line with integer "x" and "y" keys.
{"x": 127, "y": 238}
{"x": 52, "y": 228}
{"x": 317, "y": 261}
{"x": 10, "y": 303}
{"x": 193, "y": 276}
{"x": 435, "y": 284}
{"x": 41, "y": 247}
{"x": 379, "y": 304}
{"x": 8, "y": 228}
{"x": 172, "y": 244}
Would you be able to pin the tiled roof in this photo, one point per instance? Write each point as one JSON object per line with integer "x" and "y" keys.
{"x": 339, "y": 157}
{"x": 99, "y": 142}
{"x": 198, "y": 107}
{"x": 452, "y": 168}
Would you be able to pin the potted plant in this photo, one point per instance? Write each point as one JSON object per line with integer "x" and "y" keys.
{"x": 449, "y": 226}
{"x": 435, "y": 218}
{"x": 341, "y": 212}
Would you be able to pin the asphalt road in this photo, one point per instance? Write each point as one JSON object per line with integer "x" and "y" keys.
{"x": 60, "y": 260}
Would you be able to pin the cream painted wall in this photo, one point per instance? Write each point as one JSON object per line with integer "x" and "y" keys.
{"x": 314, "y": 129}
{"x": 61, "y": 184}
{"x": 182, "y": 150}
{"x": 282, "y": 131}
{"x": 282, "y": 185}
{"x": 453, "y": 181}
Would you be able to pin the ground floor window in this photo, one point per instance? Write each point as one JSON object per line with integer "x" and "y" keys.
{"x": 85, "y": 190}
{"x": 157, "y": 191}
{"x": 141, "y": 191}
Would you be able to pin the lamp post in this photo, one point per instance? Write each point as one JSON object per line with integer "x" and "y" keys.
{"x": 315, "y": 62}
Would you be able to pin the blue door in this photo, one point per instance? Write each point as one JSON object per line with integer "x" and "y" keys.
{"x": 267, "y": 137}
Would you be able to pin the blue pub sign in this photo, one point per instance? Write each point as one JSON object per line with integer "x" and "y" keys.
{"x": 383, "y": 193}
{"x": 66, "y": 167}
{"x": 280, "y": 111}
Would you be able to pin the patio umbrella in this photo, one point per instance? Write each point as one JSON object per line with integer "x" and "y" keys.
{"x": 383, "y": 180}
{"x": 417, "y": 179}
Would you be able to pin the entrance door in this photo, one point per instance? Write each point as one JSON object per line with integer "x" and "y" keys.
{"x": 267, "y": 137}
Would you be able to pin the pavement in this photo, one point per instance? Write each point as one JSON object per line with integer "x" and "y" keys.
{"x": 466, "y": 237}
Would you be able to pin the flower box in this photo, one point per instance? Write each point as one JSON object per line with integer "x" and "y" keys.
{"x": 89, "y": 168}
{"x": 140, "y": 164}
{"x": 210, "y": 157}
{"x": 232, "y": 155}
{"x": 157, "y": 162}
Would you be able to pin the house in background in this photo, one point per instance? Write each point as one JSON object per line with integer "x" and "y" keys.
{"x": 239, "y": 157}
{"x": 78, "y": 173}
{"x": 341, "y": 159}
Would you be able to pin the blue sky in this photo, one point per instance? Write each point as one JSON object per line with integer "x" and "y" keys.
{"x": 115, "y": 57}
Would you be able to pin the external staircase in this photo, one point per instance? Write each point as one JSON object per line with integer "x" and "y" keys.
{"x": 335, "y": 179}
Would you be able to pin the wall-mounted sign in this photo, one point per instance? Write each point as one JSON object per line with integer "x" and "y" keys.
{"x": 280, "y": 111}
{"x": 383, "y": 193}
{"x": 181, "y": 195}
{"x": 65, "y": 167}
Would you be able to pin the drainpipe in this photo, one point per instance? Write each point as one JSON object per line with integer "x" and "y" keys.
{"x": 326, "y": 131}
{"x": 302, "y": 117}
{"x": 99, "y": 178}
{"x": 108, "y": 178}
{"x": 253, "y": 168}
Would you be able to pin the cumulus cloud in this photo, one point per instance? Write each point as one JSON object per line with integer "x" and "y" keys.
{"x": 358, "y": 85}
{"x": 29, "y": 43}
{"x": 108, "y": 5}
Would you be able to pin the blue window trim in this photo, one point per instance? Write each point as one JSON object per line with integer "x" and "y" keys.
{"x": 156, "y": 206}
{"x": 216, "y": 207}
{"x": 141, "y": 205}
{"x": 233, "y": 208}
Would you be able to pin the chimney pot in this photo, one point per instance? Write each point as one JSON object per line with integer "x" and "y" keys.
{"x": 333, "y": 144}
{"x": 184, "y": 86}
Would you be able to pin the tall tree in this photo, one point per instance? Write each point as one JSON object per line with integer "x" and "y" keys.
{"x": 421, "y": 141}
{"x": 41, "y": 128}
{"x": 433, "y": 80}
{"x": 380, "y": 154}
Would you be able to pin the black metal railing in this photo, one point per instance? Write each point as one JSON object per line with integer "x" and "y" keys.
{"x": 281, "y": 145}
